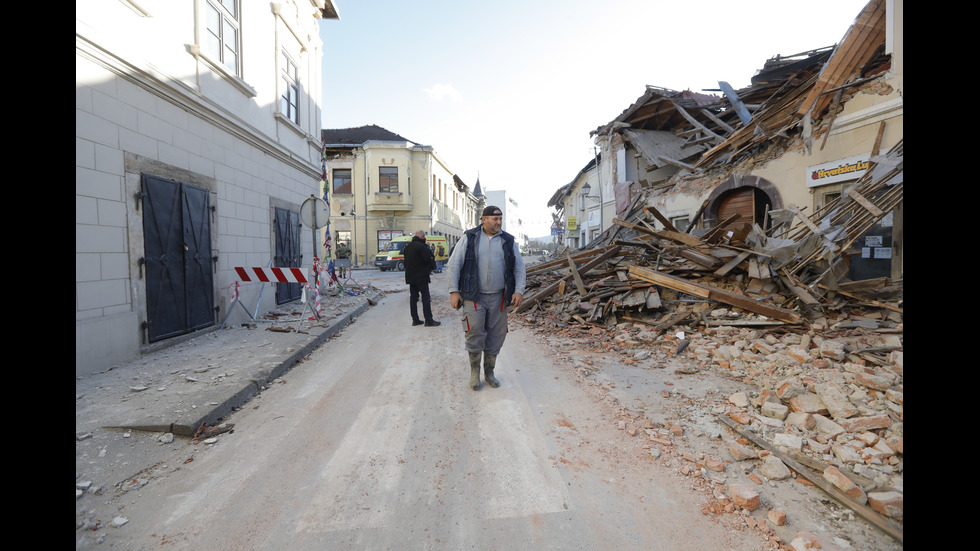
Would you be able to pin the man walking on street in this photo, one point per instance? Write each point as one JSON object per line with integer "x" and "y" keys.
{"x": 486, "y": 275}
{"x": 419, "y": 263}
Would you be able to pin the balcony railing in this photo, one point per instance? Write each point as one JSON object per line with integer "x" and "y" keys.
{"x": 389, "y": 202}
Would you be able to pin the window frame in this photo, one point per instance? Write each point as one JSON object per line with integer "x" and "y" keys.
{"x": 388, "y": 179}
{"x": 339, "y": 190}
{"x": 681, "y": 223}
{"x": 228, "y": 19}
{"x": 290, "y": 109}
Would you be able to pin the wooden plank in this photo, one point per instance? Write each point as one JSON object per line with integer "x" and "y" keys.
{"x": 579, "y": 284}
{"x": 803, "y": 218}
{"x": 798, "y": 289}
{"x": 833, "y": 116}
{"x": 732, "y": 263}
{"x": 653, "y": 299}
{"x": 696, "y": 217}
{"x": 695, "y": 122}
{"x": 549, "y": 290}
{"x": 866, "y": 301}
{"x": 867, "y": 513}
{"x": 868, "y": 205}
{"x": 719, "y": 122}
{"x": 876, "y": 148}
{"x": 713, "y": 232}
{"x": 699, "y": 257}
{"x": 678, "y": 237}
{"x": 704, "y": 291}
{"x": 675, "y": 162}
{"x": 660, "y": 217}
{"x": 557, "y": 263}
{"x": 755, "y": 287}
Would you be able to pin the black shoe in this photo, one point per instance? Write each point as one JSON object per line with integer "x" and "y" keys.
{"x": 433, "y": 323}
{"x": 417, "y": 322}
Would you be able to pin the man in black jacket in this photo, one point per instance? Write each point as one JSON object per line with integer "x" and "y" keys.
{"x": 419, "y": 263}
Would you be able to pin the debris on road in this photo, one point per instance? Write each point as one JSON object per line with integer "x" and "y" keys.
{"x": 767, "y": 308}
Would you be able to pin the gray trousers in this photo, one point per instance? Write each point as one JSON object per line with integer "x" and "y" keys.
{"x": 485, "y": 323}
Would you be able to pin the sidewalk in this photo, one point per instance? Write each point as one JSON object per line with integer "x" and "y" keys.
{"x": 195, "y": 382}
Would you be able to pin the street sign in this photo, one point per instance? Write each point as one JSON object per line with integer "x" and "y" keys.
{"x": 314, "y": 212}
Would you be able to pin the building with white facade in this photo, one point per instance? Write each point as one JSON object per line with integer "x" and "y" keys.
{"x": 197, "y": 140}
{"x": 512, "y": 223}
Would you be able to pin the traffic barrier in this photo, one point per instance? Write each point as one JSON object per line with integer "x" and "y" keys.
{"x": 267, "y": 275}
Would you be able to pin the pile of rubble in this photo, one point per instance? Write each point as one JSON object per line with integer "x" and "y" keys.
{"x": 769, "y": 308}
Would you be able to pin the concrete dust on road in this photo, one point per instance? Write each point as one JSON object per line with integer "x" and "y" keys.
{"x": 376, "y": 441}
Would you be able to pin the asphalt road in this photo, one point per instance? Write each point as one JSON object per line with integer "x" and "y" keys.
{"x": 376, "y": 442}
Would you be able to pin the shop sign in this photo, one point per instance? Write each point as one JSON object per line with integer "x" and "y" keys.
{"x": 842, "y": 170}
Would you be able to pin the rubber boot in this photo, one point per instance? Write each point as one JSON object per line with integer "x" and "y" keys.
{"x": 475, "y": 370}
{"x": 489, "y": 362}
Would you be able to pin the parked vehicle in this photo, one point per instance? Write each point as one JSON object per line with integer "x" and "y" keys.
{"x": 392, "y": 257}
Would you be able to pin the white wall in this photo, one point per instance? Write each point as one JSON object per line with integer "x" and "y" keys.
{"x": 145, "y": 104}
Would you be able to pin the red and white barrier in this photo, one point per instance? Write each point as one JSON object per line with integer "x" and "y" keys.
{"x": 266, "y": 275}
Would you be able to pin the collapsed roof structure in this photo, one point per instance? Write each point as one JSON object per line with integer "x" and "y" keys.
{"x": 791, "y": 104}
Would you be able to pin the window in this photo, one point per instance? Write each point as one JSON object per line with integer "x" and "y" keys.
{"x": 388, "y": 177}
{"x": 341, "y": 181}
{"x": 680, "y": 223}
{"x": 223, "y": 33}
{"x": 290, "y": 89}
{"x": 385, "y": 237}
{"x": 343, "y": 237}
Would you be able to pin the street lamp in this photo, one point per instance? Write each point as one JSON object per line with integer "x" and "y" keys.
{"x": 586, "y": 189}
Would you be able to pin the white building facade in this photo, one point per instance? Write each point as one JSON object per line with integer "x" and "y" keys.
{"x": 512, "y": 223}
{"x": 197, "y": 141}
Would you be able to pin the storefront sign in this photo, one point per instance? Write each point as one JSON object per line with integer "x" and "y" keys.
{"x": 572, "y": 223}
{"x": 833, "y": 172}
{"x": 593, "y": 218}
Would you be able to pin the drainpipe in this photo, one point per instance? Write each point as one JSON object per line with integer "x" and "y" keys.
{"x": 365, "y": 238}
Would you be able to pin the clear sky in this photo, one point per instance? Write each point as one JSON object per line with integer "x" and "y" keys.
{"x": 509, "y": 90}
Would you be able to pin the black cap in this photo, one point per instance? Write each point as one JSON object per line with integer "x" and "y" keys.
{"x": 492, "y": 211}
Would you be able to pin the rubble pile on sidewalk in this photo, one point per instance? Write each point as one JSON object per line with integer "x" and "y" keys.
{"x": 771, "y": 309}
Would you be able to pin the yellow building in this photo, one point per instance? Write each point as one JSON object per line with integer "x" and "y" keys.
{"x": 381, "y": 185}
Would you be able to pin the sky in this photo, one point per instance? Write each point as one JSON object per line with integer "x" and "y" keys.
{"x": 508, "y": 91}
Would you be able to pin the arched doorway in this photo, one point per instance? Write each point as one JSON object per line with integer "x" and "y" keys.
{"x": 748, "y": 196}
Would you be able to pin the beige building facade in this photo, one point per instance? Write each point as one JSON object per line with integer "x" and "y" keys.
{"x": 382, "y": 186}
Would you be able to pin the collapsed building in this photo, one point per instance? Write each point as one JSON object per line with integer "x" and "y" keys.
{"x": 765, "y": 225}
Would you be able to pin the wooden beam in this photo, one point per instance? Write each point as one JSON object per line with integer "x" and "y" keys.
{"x": 678, "y": 237}
{"x": 711, "y": 234}
{"x": 696, "y": 122}
{"x": 707, "y": 112}
{"x": 545, "y": 266}
{"x": 865, "y": 512}
{"x": 806, "y": 221}
{"x": 696, "y": 217}
{"x": 798, "y": 289}
{"x": 712, "y": 293}
{"x": 868, "y": 205}
{"x": 549, "y": 290}
{"x": 833, "y": 115}
{"x": 578, "y": 278}
{"x": 660, "y": 217}
{"x": 739, "y": 258}
{"x": 675, "y": 162}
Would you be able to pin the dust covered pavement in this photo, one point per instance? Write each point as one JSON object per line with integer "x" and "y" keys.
{"x": 136, "y": 418}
